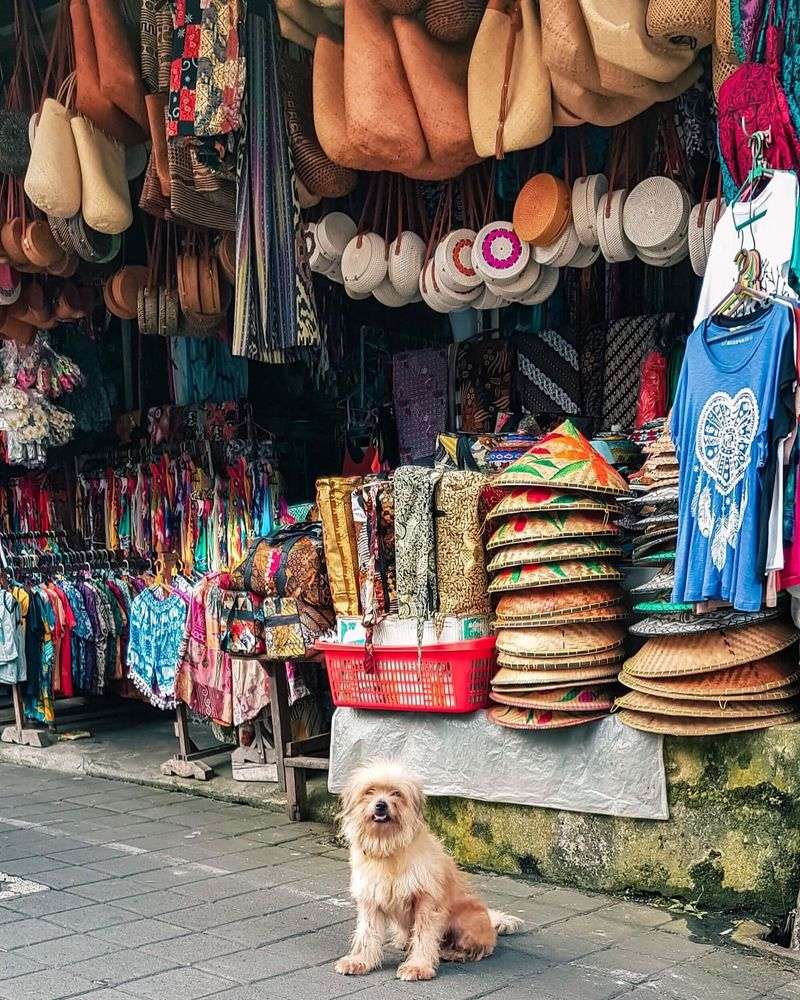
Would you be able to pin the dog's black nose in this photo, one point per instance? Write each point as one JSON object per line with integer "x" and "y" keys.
{"x": 381, "y": 807}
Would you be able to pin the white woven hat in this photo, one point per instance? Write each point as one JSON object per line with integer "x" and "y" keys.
{"x": 697, "y": 241}
{"x": 586, "y": 194}
{"x": 334, "y": 231}
{"x": 543, "y": 289}
{"x": 364, "y": 263}
{"x": 454, "y": 261}
{"x": 614, "y": 244}
{"x": 406, "y": 257}
{"x": 585, "y": 256}
{"x": 498, "y": 253}
{"x": 387, "y": 294}
{"x": 519, "y": 285}
{"x": 655, "y": 212}
{"x": 561, "y": 251}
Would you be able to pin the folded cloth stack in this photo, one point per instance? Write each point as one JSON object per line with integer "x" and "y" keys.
{"x": 560, "y": 608}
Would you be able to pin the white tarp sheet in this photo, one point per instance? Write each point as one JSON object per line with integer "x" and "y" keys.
{"x": 605, "y": 767}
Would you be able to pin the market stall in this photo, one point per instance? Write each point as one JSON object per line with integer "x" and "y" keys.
{"x": 412, "y": 377}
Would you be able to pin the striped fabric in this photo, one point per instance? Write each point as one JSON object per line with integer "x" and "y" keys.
{"x": 274, "y": 311}
{"x": 548, "y": 372}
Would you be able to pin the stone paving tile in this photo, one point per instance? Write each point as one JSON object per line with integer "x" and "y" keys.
{"x": 576, "y": 982}
{"x": 747, "y": 970}
{"x": 638, "y": 916}
{"x": 212, "y": 889}
{"x": 65, "y": 950}
{"x": 662, "y": 945}
{"x": 29, "y": 866}
{"x": 68, "y": 876}
{"x": 48, "y": 984}
{"x": 555, "y": 944}
{"x": 282, "y": 956}
{"x": 192, "y": 948}
{"x": 631, "y": 966}
{"x": 179, "y": 983}
{"x": 91, "y": 917}
{"x": 319, "y": 982}
{"x": 13, "y": 964}
{"x": 119, "y": 967}
{"x": 135, "y": 933}
{"x": 686, "y": 982}
{"x": 42, "y": 904}
{"x": 29, "y": 931}
{"x": 86, "y": 855}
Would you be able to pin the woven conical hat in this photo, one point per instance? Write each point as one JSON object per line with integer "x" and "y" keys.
{"x": 608, "y": 661}
{"x": 761, "y": 680}
{"x": 669, "y": 725}
{"x": 526, "y": 689}
{"x": 654, "y": 521}
{"x": 676, "y": 656}
{"x": 535, "y": 718}
{"x": 661, "y": 541}
{"x": 590, "y": 616}
{"x": 552, "y": 574}
{"x": 571, "y": 699}
{"x": 655, "y": 496}
{"x": 680, "y": 619}
{"x": 543, "y": 500}
{"x": 535, "y": 552}
{"x": 559, "y": 640}
{"x": 556, "y": 526}
{"x": 557, "y": 600}
{"x": 564, "y": 459}
{"x": 640, "y": 702}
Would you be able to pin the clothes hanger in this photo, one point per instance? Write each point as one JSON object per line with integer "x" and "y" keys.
{"x": 758, "y": 142}
{"x": 748, "y": 263}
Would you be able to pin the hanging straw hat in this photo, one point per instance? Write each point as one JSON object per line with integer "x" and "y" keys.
{"x": 533, "y": 718}
{"x": 683, "y": 622}
{"x": 639, "y": 702}
{"x": 761, "y": 680}
{"x": 618, "y": 32}
{"x": 550, "y": 574}
{"x": 584, "y": 548}
{"x": 675, "y": 656}
{"x": 558, "y": 600}
{"x": 559, "y": 640}
{"x": 681, "y": 22}
{"x": 584, "y": 616}
{"x": 569, "y": 699}
{"x": 671, "y": 726}
{"x": 564, "y": 459}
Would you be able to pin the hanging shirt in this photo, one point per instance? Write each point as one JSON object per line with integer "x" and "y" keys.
{"x": 723, "y": 426}
{"x": 772, "y": 216}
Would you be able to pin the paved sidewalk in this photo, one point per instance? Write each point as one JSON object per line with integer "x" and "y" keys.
{"x": 110, "y": 891}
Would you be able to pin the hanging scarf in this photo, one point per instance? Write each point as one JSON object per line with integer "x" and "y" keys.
{"x": 415, "y": 543}
{"x": 460, "y": 561}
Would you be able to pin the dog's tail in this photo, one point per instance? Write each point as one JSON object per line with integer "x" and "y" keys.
{"x": 504, "y": 923}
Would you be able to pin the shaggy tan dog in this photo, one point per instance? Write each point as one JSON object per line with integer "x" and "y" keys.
{"x": 405, "y": 886}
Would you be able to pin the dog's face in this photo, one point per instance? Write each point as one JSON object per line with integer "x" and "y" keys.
{"x": 381, "y": 810}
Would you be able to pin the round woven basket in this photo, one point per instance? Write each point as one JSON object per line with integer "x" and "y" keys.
{"x": 542, "y": 288}
{"x": 656, "y": 211}
{"x": 406, "y": 257}
{"x": 364, "y": 263}
{"x": 498, "y": 252}
{"x": 454, "y": 260}
{"x": 542, "y": 209}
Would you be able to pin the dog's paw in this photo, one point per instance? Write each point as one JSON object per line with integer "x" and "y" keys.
{"x": 412, "y": 972}
{"x": 351, "y": 966}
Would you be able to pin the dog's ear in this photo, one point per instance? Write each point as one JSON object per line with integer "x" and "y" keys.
{"x": 415, "y": 795}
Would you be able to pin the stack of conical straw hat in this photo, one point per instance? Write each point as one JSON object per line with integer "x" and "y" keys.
{"x": 552, "y": 559}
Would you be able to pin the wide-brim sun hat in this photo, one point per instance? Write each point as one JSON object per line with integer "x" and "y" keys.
{"x": 566, "y": 460}
{"x": 537, "y": 719}
{"x": 545, "y": 499}
{"x": 675, "y": 656}
{"x": 560, "y": 640}
{"x": 773, "y": 677}
{"x": 558, "y": 600}
{"x": 525, "y": 528}
{"x": 553, "y": 551}
{"x": 553, "y": 574}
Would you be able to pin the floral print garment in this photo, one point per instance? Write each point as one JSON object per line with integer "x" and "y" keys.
{"x": 415, "y": 543}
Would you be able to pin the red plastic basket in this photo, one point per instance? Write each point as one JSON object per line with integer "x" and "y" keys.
{"x": 447, "y": 677}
